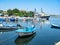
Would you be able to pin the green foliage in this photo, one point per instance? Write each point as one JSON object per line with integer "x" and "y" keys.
{"x": 15, "y": 10}
{"x": 1, "y": 11}
{"x": 20, "y": 13}
{"x": 9, "y": 11}
{"x": 31, "y": 14}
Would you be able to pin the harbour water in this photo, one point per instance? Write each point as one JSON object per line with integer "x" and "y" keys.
{"x": 45, "y": 35}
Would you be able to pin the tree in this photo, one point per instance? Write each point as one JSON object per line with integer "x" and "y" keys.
{"x": 4, "y": 13}
{"x": 9, "y": 11}
{"x": 31, "y": 14}
{"x": 1, "y": 11}
{"x": 21, "y": 13}
{"x": 16, "y": 10}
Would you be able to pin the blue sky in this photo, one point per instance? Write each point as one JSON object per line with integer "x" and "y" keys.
{"x": 49, "y": 6}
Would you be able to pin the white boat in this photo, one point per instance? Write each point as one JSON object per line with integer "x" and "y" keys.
{"x": 55, "y": 26}
{"x": 43, "y": 15}
{"x": 26, "y": 31}
{"x": 6, "y": 26}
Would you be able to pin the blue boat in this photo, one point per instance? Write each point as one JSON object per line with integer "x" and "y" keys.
{"x": 12, "y": 19}
{"x": 27, "y": 31}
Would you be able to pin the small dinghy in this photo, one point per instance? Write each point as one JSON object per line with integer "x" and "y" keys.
{"x": 55, "y": 26}
{"x": 26, "y": 31}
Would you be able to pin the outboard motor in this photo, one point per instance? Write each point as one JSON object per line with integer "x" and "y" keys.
{"x": 19, "y": 25}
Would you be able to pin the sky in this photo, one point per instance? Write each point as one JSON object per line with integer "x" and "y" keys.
{"x": 48, "y": 6}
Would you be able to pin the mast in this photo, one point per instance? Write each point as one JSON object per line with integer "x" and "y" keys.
{"x": 42, "y": 10}
{"x": 42, "y": 13}
{"x": 35, "y": 10}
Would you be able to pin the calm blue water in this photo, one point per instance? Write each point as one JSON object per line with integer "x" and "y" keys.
{"x": 45, "y": 35}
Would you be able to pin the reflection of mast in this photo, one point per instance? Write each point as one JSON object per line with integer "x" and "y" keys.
{"x": 1, "y": 33}
{"x": 41, "y": 25}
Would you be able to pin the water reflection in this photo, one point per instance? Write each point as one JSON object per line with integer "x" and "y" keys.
{"x": 7, "y": 37}
{"x": 43, "y": 23}
{"x": 24, "y": 40}
{"x": 1, "y": 33}
{"x": 45, "y": 34}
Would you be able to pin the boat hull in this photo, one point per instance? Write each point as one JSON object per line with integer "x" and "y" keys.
{"x": 26, "y": 31}
{"x": 24, "y": 34}
{"x": 47, "y": 17}
{"x": 57, "y": 27}
{"x": 8, "y": 28}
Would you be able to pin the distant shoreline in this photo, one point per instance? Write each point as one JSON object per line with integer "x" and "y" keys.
{"x": 55, "y": 16}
